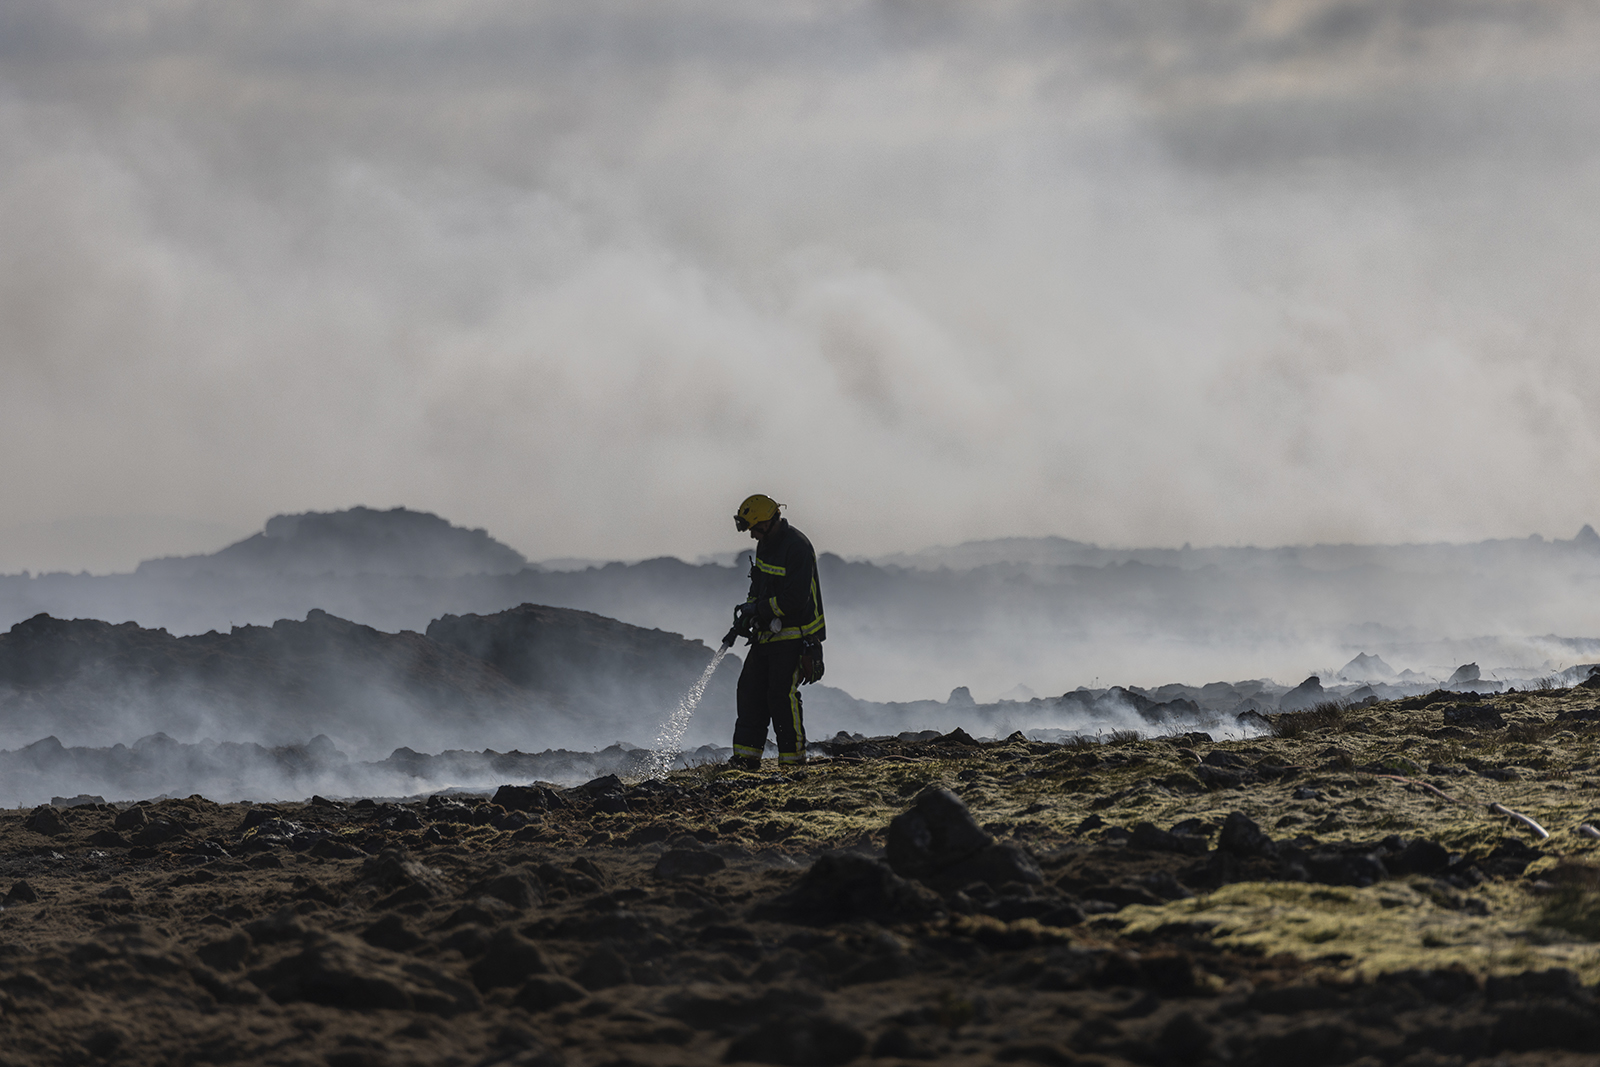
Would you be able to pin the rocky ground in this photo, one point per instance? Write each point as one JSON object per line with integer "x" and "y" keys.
{"x": 1337, "y": 892}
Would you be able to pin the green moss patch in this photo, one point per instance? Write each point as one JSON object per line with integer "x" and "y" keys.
{"x": 1393, "y": 926}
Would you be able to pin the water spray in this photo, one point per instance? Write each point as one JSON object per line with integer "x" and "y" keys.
{"x": 669, "y": 741}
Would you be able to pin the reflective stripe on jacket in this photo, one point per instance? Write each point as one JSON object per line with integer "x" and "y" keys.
{"x": 783, "y": 578}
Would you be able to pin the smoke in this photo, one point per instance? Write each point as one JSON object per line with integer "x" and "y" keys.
{"x": 585, "y": 274}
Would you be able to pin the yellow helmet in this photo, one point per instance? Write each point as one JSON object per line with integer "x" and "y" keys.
{"x": 758, "y": 508}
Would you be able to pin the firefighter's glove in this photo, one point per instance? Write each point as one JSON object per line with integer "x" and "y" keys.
{"x": 744, "y": 620}
{"x": 811, "y": 663}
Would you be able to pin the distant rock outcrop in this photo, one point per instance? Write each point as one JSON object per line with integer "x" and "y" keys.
{"x": 357, "y": 541}
{"x": 1365, "y": 668}
{"x": 1465, "y": 674}
{"x": 1308, "y": 694}
{"x": 585, "y": 659}
{"x": 544, "y": 675}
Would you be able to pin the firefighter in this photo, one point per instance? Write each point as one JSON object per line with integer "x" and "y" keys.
{"x": 782, "y": 615}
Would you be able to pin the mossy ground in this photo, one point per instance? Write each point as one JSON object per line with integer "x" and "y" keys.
{"x": 122, "y": 953}
{"x": 1544, "y": 763}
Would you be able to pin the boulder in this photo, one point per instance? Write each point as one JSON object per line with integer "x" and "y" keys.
{"x": 394, "y": 869}
{"x": 1346, "y": 868}
{"x": 545, "y": 992}
{"x": 509, "y": 960}
{"x": 688, "y": 863}
{"x": 995, "y": 865}
{"x": 514, "y": 889}
{"x": 20, "y": 893}
{"x": 339, "y": 971}
{"x": 1475, "y": 716}
{"x": 1151, "y": 838}
{"x": 604, "y": 968}
{"x": 48, "y": 821}
{"x": 1241, "y": 837}
{"x": 846, "y": 887}
{"x": 391, "y": 933}
{"x": 937, "y": 832}
{"x": 524, "y": 798}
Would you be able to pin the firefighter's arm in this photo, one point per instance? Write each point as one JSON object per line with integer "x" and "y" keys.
{"x": 794, "y": 588}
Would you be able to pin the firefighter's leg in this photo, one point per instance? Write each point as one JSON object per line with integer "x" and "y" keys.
{"x": 783, "y": 695}
{"x": 750, "y": 728}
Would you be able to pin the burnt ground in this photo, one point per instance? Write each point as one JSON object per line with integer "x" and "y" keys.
{"x": 1306, "y": 898}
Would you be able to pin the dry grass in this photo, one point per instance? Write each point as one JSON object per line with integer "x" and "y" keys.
{"x": 1574, "y": 905}
{"x": 1330, "y": 716}
{"x": 1531, "y": 733}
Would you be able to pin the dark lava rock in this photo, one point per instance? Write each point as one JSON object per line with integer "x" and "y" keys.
{"x": 1346, "y": 868}
{"x": 995, "y": 865}
{"x": 330, "y": 849}
{"x": 514, "y": 889}
{"x": 603, "y": 969}
{"x": 225, "y": 954}
{"x": 485, "y": 911}
{"x": 282, "y": 925}
{"x": 811, "y": 1039}
{"x": 158, "y": 832}
{"x": 510, "y": 960}
{"x": 342, "y": 972}
{"x": 471, "y": 941}
{"x": 393, "y": 869}
{"x": 252, "y": 818}
{"x": 107, "y": 839}
{"x": 1474, "y": 716}
{"x": 688, "y": 862}
{"x": 845, "y": 887}
{"x": 48, "y": 821}
{"x": 528, "y": 798}
{"x": 935, "y": 833}
{"x": 1419, "y": 857}
{"x": 959, "y": 737}
{"x": 545, "y": 992}
{"x": 20, "y": 893}
{"x": 401, "y": 821}
{"x": 392, "y": 933}
{"x": 1151, "y": 838}
{"x": 1242, "y": 837}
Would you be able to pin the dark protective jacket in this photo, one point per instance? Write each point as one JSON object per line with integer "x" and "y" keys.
{"x": 784, "y": 586}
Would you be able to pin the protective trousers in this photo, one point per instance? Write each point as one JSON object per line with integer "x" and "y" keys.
{"x": 769, "y": 691}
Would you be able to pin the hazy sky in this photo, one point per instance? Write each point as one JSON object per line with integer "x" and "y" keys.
{"x": 585, "y": 274}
